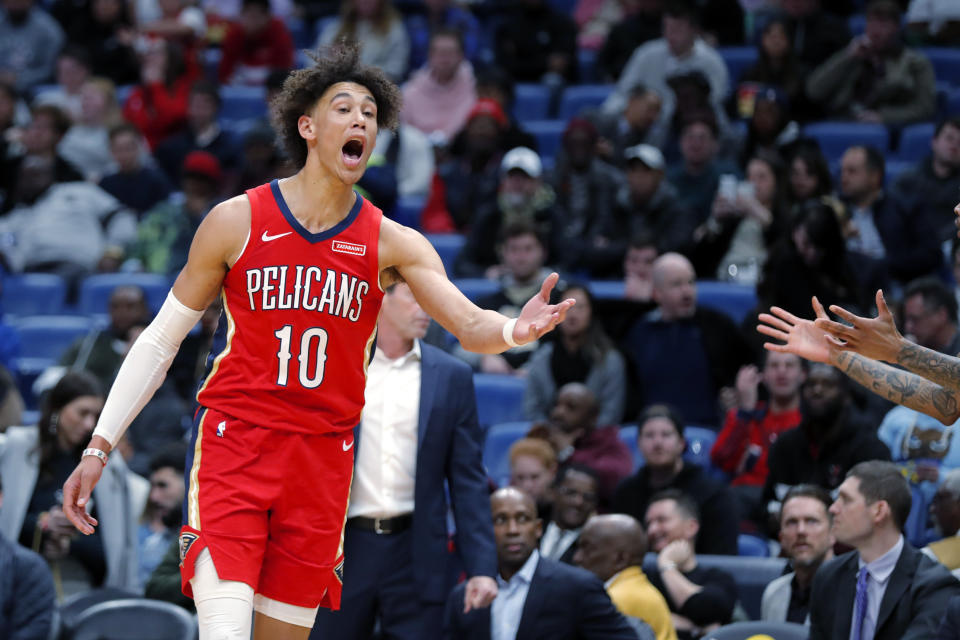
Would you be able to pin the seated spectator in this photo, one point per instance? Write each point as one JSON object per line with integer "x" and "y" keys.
{"x": 410, "y": 152}
{"x": 28, "y": 600}
{"x": 255, "y": 44}
{"x": 817, "y": 33}
{"x": 165, "y": 583}
{"x": 573, "y": 431}
{"x": 523, "y": 200}
{"x": 753, "y": 426}
{"x": 697, "y": 176}
{"x": 30, "y": 40}
{"x": 575, "y": 499}
{"x": 40, "y": 137}
{"x": 497, "y": 85}
{"x": 533, "y": 469}
{"x": 203, "y": 133}
{"x": 679, "y": 51}
{"x": 946, "y": 513}
{"x": 537, "y": 43}
{"x": 612, "y": 547}
{"x": 830, "y": 440}
{"x": 770, "y": 129}
{"x": 166, "y": 231}
{"x": 104, "y": 30}
{"x": 219, "y": 10}
{"x": 849, "y": 592}
{"x": 439, "y": 96}
{"x": 442, "y": 15}
{"x": 581, "y": 352}
{"x": 700, "y": 599}
{"x": 806, "y": 541}
{"x": 160, "y": 524}
{"x": 883, "y": 228}
{"x": 679, "y": 342}
{"x": 35, "y": 462}
{"x": 378, "y": 27}
{"x": 777, "y": 66}
{"x": 87, "y": 144}
{"x": 538, "y": 597}
{"x": 642, "y": 22}
{"x": 135, "y": 184}
{"x": 73, "y": 70}
{"x": 158, "y": 104}
{"x": 933, "y": 22}
{"x": 261, "y": 160}
{"x": 809, "y": 175}
{"x": 635, "y": 125}
{"x": 934, "y": 181}
{"x": 661, "y": 443}
{"x": 876, "y": 78}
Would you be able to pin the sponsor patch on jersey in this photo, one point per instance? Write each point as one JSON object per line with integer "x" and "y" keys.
{"x": 348, "y": 247}
{"x": 186, "y": 541}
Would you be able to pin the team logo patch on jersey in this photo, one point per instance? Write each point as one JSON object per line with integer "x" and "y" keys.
{"x": 348, "y": 247}
{"x": 186, "y": 541}
{"x": 338, "y": 571}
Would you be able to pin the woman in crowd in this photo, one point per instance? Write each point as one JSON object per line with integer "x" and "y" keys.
{"x": 378, "y": 27}
{"x": 87, "y": 144}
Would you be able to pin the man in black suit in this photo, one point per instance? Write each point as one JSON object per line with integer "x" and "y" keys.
{"x": 884, "y": 589}
{"x": 538, "y": 598}
{"x": 950, "y": 627}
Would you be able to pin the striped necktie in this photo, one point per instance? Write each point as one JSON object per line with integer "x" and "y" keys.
{"x": 860, "y": 606}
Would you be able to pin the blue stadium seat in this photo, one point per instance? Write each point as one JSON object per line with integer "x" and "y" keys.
{"x": 74, "y": 605}
{"x": 760, "y": 629}
{"x": 587, "y": 65}
{"x": 953, "y": 102}
{"x": 699, "y": 442}
{"x": 857, "y": 23}
{"x": 49, "y": 336}
{"x": 135, "y": 618}
{"x": 548, "y": 134}
{"x": 946, "y": 63}
{"x": 499, "y": 398}
{"x": 448, "y": 245}
{"x": 752, "y": 546}
{"x": 531, "y": 102}
{"x": 408, "y": 210}
{"x": 735, "y": 300}
{"x": 240, "y": 102}
{"x": 476, "y": 288}
{"x": 576, "y": 98}
{"x": 95, "y": 290}
{"x": 30, "y": 294}
{"x": 628, "y": 435}
{"x": 239, "y": 127}
{"x": 737, "y": 59}
{"x": 496, "y": 449}
{"x": 607, "y": 289}
{"x": 302, "y": 32}
{"x": 892, "y": 170}
{"x": 915, "y": 141}
{"x": 837, "y": 137}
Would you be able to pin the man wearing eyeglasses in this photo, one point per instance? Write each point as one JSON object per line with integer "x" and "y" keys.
{"x": 574, "y": 501}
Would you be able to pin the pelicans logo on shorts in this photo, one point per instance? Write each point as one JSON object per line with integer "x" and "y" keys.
{"x": 186, "y": 541}
{"x": 338, "y": 571}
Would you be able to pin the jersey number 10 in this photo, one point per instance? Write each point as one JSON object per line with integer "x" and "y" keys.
{"x": 307, "y": 380}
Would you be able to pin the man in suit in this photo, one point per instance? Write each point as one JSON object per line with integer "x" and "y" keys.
{"x": 805, "y": 539}
{"x": 574, "y": 500}
{"x": 538, "y": 598}
{"x": 884, "y": 588}
{"x": 418, "y": 432}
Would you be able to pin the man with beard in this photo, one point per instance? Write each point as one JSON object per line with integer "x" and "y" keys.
{"x": 830, "y": 440}
{"x": 161, "y": 519}
{"x": 805, "y": 539}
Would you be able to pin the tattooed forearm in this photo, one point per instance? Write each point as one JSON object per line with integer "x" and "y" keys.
{"x": 902, "y": 387}
{"x": 932, "y": 365}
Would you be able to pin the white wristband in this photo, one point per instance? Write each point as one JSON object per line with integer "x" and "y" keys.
{"x": 508, "y": 333}
{"x": 95, "y": 453}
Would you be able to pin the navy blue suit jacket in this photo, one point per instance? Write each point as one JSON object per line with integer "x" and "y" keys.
{"x": 448, "y": 458}
{"x": 563, "y": 603}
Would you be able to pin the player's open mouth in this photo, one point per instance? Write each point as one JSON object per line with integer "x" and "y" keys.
{"x": 352, "y": 151}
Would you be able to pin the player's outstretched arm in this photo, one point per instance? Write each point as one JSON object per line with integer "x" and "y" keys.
{"x": 216, "y": 245}
{"x": 806, "y": 339}
{"x": 406, "y": 255}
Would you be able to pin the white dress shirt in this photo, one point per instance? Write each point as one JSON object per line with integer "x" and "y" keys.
{"x": 507, "y": 607}
{"x": 878, "y": 577}
{"x": 556, "y": 541}
{"x": 386, "y": 465}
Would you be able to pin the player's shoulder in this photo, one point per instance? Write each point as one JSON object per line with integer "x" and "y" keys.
{"x": 399, "y": 242}
{"x": 231, "y": 211}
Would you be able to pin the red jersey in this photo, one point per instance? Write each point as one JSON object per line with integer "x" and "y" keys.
{"x": 299, "y": 319}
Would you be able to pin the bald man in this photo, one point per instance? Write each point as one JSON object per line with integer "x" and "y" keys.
{"x": 683, "y": 356}
{"x": 538, "y": 598}
{"x": 612, "y": 548}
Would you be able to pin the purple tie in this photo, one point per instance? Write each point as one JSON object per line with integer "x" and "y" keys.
{"x": 860, "y": 607}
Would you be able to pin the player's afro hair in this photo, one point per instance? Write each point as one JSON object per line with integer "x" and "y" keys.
{"x": 303, "y": 87}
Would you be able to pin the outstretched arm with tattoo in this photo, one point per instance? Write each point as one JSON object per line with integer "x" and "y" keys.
{"x": 813, "y": 341}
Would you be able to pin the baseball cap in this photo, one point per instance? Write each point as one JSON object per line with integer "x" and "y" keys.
{"x": 491, "y": 108}
{"x": 203, "y": 165}
{"x": 524, "y": 159}
{"x": 645, "y": 153}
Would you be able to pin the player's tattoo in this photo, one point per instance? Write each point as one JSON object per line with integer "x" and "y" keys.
{"x": 932, "y": 365}
{"x": 902, "y": 387}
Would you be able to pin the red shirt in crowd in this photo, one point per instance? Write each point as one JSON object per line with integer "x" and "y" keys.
{"x": 742, "y": 445}
{"x": 248, "y": 59}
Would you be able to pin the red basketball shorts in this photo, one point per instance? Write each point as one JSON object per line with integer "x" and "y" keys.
{"x": 271, "y": 507}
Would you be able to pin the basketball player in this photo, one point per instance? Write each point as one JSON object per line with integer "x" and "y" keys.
{"x": 301, "y": 265}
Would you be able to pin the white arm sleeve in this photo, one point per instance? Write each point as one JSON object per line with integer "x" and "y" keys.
{"x": 145, "y": 367}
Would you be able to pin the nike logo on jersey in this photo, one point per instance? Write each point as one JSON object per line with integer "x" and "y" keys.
{"x": 347, "y": 447}
{"x": 267, "y": 237}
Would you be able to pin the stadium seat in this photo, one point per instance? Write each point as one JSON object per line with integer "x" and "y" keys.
{"x": 946, "y": 63}
{"x": 499, "y": 398}
{"x": 760, "y": 629}
{"x": 836, "y": 137}
{"x": 531, "y": 102}
{"x": 448, "y": 245}
{"x": 135, "y": 618}
{"x": 548, "y": 134}
{"x": 892, "y": 171}
{"x": 240, "y": 102}
{"x": 857, "y": 23}
{"x": 915, "y": 141}
{"x": 408, "y": 210}
{"x": 752, "y": 546}
{"x": 476, "y": 288}
{"x": 95, "y": 290}
{"x": 607, "y": 289}
{"x": 31, "y": 294}
{"x": 496, "y": 449}
{"x": 628, "y": 434}
{"x": 587, "y": 65}
{"x": 735, "y": 300}
{"x": 953, "y": 102}
{"x": 576, "y": 98}
{"x": 74, "y": 605}
{"x": 699, "y": 442}
{"x": 49, "y": 336}
{"x": 737, "y": 59}
{"x": 916, "y": 528}
{"x": 302, "y": 32}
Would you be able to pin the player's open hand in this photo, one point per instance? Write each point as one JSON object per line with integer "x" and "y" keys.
{"x": 480, "y": 592}
{"x": 876, "y": 338}
{"x": 800, "y": 336}
{"x": 76, "y": 493}
{"x": 538, "y": 316}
